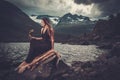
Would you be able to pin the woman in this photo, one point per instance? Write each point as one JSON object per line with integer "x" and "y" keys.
{"x": 39, "y": 45}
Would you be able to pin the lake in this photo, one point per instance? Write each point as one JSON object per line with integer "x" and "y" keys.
{"x": 17, "y": 52}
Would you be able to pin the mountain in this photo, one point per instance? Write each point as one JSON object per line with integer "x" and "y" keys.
{"x": 72, "y": 19}
{"x": 66, "y": 19}
{"x": 14, "y": 24}
{"x": 54, "y": 19}
{"x": 74, "y": 25}
{"x": 107, "y": 29}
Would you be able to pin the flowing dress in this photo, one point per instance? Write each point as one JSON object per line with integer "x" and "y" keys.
{"x": 38, "y": 47}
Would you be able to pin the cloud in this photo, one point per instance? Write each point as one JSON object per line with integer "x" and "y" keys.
{"x": 106, "y": 7}
{"x": 87, "y": 2}
{"x": 91, "y": 8}
{"x": 52, "y": 7}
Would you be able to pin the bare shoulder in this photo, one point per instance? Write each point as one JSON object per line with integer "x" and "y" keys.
{"x": 52, "y": 29}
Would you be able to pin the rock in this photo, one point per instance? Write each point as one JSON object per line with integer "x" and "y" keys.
{"x": 77, "y": 69}
{"x": 85, "y": 43}
{"x": 115, "y": 51}
{"x": 87, "y": 65}
{"x": 65, "y": 75}
{"x": 45, "y": 71}
{"x": 96, "y": 37}
{"x": 106, "y": 46}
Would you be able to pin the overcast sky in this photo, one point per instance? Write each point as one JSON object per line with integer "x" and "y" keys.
{"x": 90, "y": 8}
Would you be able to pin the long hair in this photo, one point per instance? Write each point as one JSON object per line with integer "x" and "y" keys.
{"x": 48, "y": 22}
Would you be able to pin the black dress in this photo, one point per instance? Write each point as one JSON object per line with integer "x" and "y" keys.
{"x": 38, "y": 47}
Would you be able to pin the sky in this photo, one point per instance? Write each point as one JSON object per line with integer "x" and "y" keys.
{"x": 90, "y": 8}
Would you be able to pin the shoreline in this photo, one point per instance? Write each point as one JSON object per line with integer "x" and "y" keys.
{"x": 103, "y": 67}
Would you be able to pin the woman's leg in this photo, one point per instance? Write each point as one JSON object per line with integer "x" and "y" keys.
{"x": 45, "y": 56}
{"x": 23, "y": 68}
{"x": 25, "y": 64}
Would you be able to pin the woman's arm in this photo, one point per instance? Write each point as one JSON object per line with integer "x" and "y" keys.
{"x": 52, "y": 38}
{"x": 37, "y": 38}
{"x": 32, "y": 37}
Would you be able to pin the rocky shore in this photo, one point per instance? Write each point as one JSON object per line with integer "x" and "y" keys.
{"x": 106, "y": 67}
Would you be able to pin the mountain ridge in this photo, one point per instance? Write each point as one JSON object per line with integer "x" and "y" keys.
{"x": 14, "y": 23}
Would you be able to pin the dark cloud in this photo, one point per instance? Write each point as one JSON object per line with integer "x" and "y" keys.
{"x": 87, "y": 2}
{"x": 110, "y": 7}
{"x": 83, "y": 2}
{"x": 42, "y": 7}
{"x": 91, "y": 8}
{"x": 107, "y": 7}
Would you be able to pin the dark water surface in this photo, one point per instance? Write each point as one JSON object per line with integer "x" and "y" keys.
{"x": 17, "y": 52}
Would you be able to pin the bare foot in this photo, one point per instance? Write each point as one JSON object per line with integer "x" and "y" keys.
{"x": 23, "y": 68}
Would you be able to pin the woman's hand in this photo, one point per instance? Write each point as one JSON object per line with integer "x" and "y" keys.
{"x": 30, "y": 34}
{"x": 31, "y": 37}
{"x": 31, "y": 31}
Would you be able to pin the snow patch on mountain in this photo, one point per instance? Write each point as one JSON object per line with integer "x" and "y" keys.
{"x": 54, "y": 20}
{"x": 34, "y": 18}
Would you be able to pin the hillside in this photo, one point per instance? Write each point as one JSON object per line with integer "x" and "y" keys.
{"x": 107, "y": 29}
{"x": 14, "y": 24}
